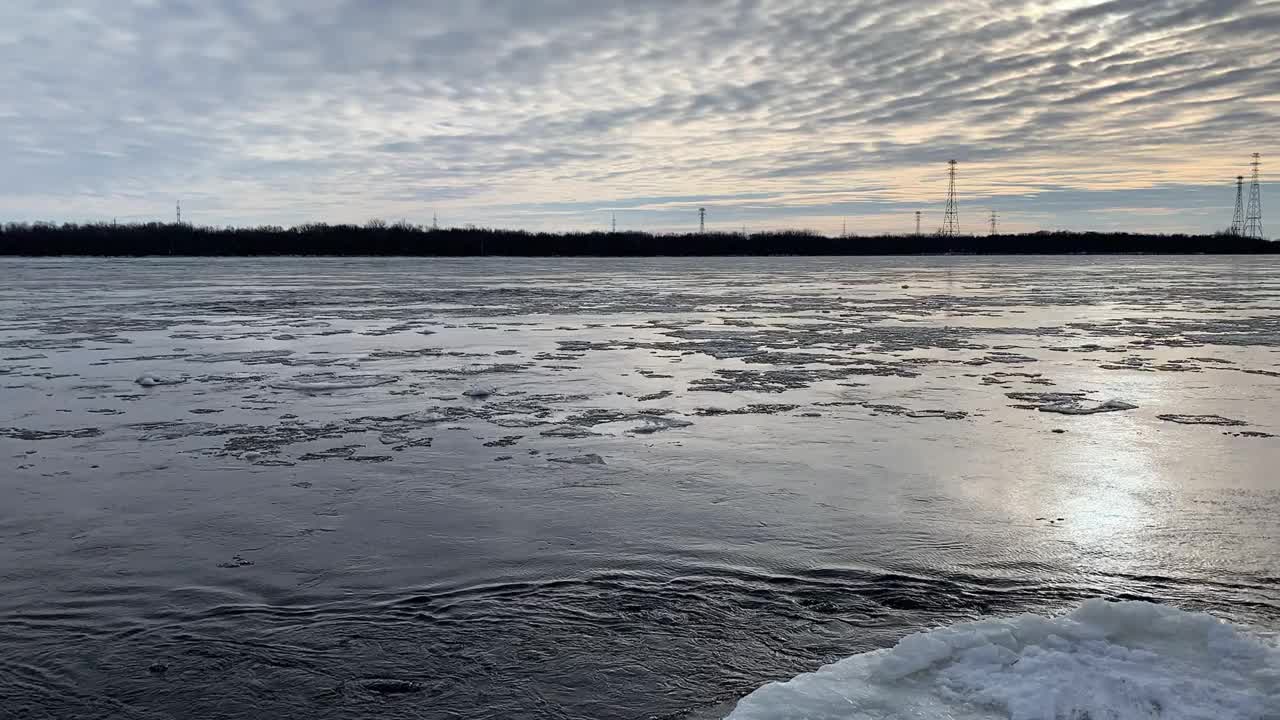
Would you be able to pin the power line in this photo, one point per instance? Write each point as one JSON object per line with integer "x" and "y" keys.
{"x": 951, "y": 219}
{"x": 1253, "y": 220}
{"x": 1237, "y": 220}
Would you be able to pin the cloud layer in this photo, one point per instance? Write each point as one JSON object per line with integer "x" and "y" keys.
{"x": 556, "y": 114}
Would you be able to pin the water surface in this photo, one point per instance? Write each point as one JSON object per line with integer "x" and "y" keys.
{"x": 604, "y": 488}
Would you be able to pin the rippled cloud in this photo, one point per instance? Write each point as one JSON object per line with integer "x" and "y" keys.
{"x": 559, "y": 113}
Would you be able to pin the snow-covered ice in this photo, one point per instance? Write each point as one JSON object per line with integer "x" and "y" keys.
{"x": 1114, "y": 661}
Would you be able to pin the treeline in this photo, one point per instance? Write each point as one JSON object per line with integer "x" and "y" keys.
{"x": 376, "y": 238}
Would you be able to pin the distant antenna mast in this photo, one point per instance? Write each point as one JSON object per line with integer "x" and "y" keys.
{"x": 1253, "y": 221}
{"x": 993, "y": 222}
{"x": 951, "y": 219}
{"x": 179, "y": 212}
{"x": 702, "y": 220}
{"x": 615, "y": 222}
{"x": 435, "y": 221}
{"x": 918, "y": 213}
{"x": 844, "y": 228}
{"x": 1237, "y": 220}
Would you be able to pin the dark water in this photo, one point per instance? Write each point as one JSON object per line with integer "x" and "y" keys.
{"x": 300, "y": 514}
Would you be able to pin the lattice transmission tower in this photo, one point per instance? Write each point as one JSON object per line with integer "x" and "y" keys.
{"x": 951, "y": 219}
{"x": 993, "y": 222}
{"x": 1237, "y": 220}
{"x": 702, "y": 221}
{"x": 1253, "y": 220}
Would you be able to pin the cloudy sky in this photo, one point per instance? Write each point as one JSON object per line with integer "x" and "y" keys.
{"x": 556, "y": 114}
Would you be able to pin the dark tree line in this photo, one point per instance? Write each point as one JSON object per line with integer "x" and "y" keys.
{"x": 375, "y": 238}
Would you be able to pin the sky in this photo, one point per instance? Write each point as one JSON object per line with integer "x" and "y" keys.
{"x": 562, "y": 114}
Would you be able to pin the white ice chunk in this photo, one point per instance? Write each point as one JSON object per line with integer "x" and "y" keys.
{"x": 155, "y": 380}
{"x": 480, "y": 392}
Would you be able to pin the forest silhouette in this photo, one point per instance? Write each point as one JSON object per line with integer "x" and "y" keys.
{"x": 378, "y": 238}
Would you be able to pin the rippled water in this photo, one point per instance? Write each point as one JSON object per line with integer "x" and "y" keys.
{"x": 604, "y": 488}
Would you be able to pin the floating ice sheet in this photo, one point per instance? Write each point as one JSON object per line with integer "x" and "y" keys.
{"x": 330, "y": 383}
